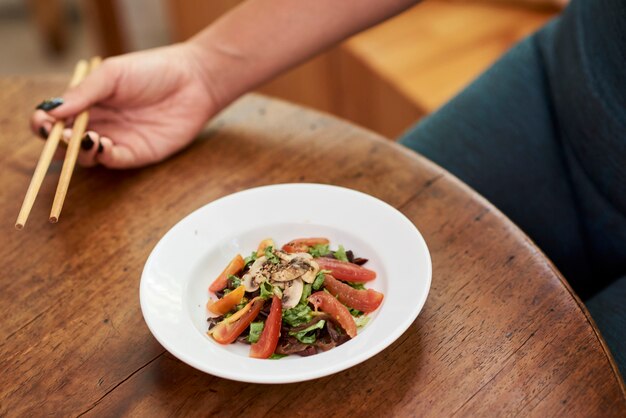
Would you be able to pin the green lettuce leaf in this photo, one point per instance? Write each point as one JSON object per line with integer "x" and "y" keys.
{"x": 319, "y": 280}
{"x": 359, "y": 286}
{"x": 355, "y": 312}
{"x": 302, "y": 335}
{"x": 234, "y": 282}
{"x": 340, "y": 254}
{"x": 361, "y": 321}
{"x": 267, "y": 290}
{"x": 277, "y": 356}
{"x": 306, "y": 292}
{"x": 255, "y": 331}
{"x": 298, "y": 315}
{"x": 242, "y": 304}
{"x": 250, "y": 259}
{"x": 271, "y": 257}
{"x": 319, "y": 250}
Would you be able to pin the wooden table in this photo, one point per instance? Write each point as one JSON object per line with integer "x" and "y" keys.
{"x": 501, "y": 332}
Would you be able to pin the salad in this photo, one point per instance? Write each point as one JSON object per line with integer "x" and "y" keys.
{"x": 301, "y": 299}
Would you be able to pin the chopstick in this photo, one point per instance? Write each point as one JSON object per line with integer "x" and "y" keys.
{"x": 78, "y": 130}
{"x": 52, "y": 142}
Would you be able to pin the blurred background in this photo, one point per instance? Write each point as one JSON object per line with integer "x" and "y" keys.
{"x": 384, "y": 79}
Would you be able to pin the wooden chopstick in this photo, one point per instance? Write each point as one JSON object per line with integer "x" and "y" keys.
{"x": 73, "y": 147}
{"x": 52, "y": 142}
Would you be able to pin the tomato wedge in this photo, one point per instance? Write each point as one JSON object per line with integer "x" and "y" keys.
{"x": 329, "y": 304}
{"x": 346, "y": 271}
{"x": 230, "y": 328}
{"x": 302, "y": 245}
{"x": 268, "y": 340}
{"x": 234, "y": 267}
{"x": 228, "y": 302}
{"x": 364, "y": 300}
{"x": 263, "y": 245}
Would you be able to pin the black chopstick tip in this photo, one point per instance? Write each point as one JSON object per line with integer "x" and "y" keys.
{"x": 100, "y": 148}
{"x": 53, "y": 219}
{"x": 86, "y": 143}
{"x": 50, "y": 104}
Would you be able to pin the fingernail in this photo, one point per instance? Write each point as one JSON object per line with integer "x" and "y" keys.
{"x": 50, "y": 104}
{"x": 43, "y": 133}
{"x": 100, "y": 148}
{"x": 87, "y": 143}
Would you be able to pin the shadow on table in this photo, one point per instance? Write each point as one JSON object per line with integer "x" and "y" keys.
{"x": 372, "y": 388}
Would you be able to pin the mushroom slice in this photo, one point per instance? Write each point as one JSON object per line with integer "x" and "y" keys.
{"x": 289, "y": 256}
{"x": 248, "y": 282}
{"x": 253, "y": 278}
{"x": 309, "y": 276}
{"x": 306, "y": 256}
{"x": 292, "y": 293}
{"x": 286, "y": 257}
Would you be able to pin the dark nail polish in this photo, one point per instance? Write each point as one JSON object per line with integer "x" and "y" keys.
{"x": 86, "y": 143}
{"x": 100, "y": 148}
{"x": 50, "y": 104}
{"x": 43, "y": 133}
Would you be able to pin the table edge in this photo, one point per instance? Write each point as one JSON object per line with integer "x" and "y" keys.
{"x": 487, "y": 204}
{"x": 60, "y": 78}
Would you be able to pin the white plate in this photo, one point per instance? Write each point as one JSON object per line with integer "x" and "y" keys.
{"x": 173, "y": 290}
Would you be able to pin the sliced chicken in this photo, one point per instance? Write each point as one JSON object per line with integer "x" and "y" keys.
{"x": 289, "y": 272}
{"x": 297, "y": 265}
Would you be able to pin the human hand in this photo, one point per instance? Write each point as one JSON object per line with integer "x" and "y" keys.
{"x": 144, "y": 107}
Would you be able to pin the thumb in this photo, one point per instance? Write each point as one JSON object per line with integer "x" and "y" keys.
{"x": 98, "y": 86}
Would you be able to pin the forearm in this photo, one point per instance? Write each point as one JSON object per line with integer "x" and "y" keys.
{"x": 262, "y": 38}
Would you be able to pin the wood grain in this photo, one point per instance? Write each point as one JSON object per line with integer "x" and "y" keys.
{"x": 500, "y": 334}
